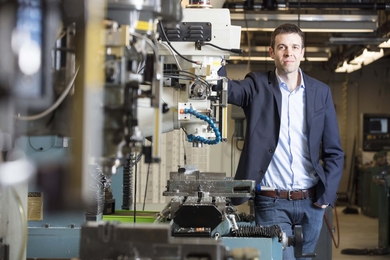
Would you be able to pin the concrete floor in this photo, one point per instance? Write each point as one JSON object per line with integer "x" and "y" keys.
{"x": 357, "y": 231}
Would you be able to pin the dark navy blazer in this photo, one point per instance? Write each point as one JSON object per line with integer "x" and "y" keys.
{"x": 260, "y": 97}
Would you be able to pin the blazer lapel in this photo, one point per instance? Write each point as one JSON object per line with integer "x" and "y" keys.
{"x": 310, "y": 100}
{"x": 274, "y": 86}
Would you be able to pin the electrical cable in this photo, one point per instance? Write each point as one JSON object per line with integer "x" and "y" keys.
{"x": 238, "y": 51}
{"x": 155, "y": 52}
{"x": 184, "y": 147}
{"x": 149, "y": 42}
{"x": 172, "y": 53}
{"x": 191, "y": 78}
{"x": 238, "y": 148}
{"x": 146, "y": 187}
{"x": 336, "y": 244}
{"x": 141, "y": 57}
{"x": 40, "y": 149}
{"x": 55, "y": 105}
{"x": 185, "y": 72}
{"x": 208, "y": 86}
{"x": 193, "y": 75}
{"x": 184, "y": 130}
{"x": 169, "y": 43}
{"x": 135, "y": 192}
{"x": 140, "y": 68}
{"x": 178, "y": 77}
{"x": 136, "y": 160}
{"x": 232, "y": 155}
{"x": 61, "y": 35}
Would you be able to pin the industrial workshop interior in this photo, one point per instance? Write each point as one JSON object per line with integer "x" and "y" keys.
{"x": 118, "y": 141}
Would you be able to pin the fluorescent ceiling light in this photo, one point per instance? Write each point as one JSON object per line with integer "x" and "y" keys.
{"x": 385, "y": 44}
{"x": 348, "y": 67}
{"x": 365, "y": 58}
{"x": 316, "y": 58}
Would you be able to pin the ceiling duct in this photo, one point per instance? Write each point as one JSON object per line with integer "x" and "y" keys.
{"x": 274, "y": 5}
{"x": 342, "y": 28}
{"x": 356, "y": 40}
{"x": 248, "y": 15}
{"x": 307, "y": 22}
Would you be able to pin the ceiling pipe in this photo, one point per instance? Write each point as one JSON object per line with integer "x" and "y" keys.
{"x": 341, "y": 5}
{"x": 274, "y": 5}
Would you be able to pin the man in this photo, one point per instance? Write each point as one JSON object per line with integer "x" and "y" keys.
{"x": 292, "y": 142}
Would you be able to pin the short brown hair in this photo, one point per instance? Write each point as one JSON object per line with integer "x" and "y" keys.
{"x": 284, "y": 29}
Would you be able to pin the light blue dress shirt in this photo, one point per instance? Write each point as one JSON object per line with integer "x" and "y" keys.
{"x": 290, "y": 167}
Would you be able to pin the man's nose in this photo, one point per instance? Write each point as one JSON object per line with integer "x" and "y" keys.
{"x": 288, "y": 52}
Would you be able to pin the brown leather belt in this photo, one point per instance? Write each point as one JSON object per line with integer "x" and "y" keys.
{"x": 289, "y": 194}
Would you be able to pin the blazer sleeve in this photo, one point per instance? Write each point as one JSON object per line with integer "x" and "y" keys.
{"x": 332, "y": 155}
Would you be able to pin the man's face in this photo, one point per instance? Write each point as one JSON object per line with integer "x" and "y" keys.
{"x": 287, "y": 52}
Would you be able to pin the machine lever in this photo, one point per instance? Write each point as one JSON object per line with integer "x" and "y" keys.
{"x": 298, "y": 244}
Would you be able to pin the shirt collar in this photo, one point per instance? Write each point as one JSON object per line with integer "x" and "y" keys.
{"x": 282, "y": 83}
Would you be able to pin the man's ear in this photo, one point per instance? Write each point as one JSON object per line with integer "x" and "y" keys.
{"x": 271, "y": 52}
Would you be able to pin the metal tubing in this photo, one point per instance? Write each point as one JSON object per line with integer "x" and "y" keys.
{"x": 251, "y": 5}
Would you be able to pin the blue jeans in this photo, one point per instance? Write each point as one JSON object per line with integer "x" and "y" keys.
{"x": 288, "y": 213}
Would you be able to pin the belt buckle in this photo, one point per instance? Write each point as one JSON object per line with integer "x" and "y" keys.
{"x": 289, "y": 195}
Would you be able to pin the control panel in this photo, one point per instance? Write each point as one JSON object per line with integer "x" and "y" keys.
{"x": 376, "y": 132}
